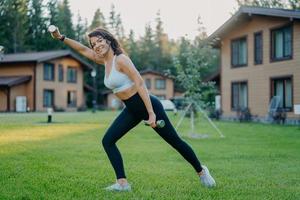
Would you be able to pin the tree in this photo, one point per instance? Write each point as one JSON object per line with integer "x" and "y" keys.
{"x": 147, "y": 49}
{"x": 262, "y": 3}
{"x": 65, "y": 19}
{"x": 158, "y": 39}
{"x": 191, "y": 65}
{"x": 53, "y": 18}
{"x": 112, "y": 20}
{"x": 14, "y": 20}
{"x": 294, "y": 4}
{"x": 80, "y": 30}
{"x": 38, "y": 37}
{"x": 98, "y": 20}
{"x": 116, "y": 26}
{"x": 133, "y": 49}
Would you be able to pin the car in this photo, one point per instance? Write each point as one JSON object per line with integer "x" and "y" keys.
{"x": 168, "y": 105}
{"x": 179, "y": 102}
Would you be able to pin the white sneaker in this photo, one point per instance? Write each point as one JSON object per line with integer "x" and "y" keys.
{"x": 206, "y": 179}
{"x": 119, "y": 187}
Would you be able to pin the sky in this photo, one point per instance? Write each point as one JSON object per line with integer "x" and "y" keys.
{"x": 179, "y": 17}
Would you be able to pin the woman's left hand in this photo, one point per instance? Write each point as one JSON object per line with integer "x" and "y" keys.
{"x": 152, "y": 120}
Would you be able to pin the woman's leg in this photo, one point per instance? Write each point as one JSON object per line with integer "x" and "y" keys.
{"x": 169, "y": 134}
{"x": 121, "y": 125}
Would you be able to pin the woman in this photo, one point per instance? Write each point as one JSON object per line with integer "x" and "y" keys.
{"x": 127, "y": 84}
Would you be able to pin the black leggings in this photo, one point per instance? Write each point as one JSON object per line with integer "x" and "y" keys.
{"x": 134, "y": 112}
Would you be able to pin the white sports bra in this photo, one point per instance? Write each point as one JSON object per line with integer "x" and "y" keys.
{"x": 117, "y": 81}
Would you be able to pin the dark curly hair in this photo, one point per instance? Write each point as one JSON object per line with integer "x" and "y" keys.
{"x": 115, "y": 45}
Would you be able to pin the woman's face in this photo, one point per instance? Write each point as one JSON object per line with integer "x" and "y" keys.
{"x": 100, "y": 45}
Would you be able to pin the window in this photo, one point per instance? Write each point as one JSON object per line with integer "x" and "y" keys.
{"x": 72, "y": 75}
{"x": 160, "y": 84}
{"x": 281, "y": 43}
{"x": 48, "y": 72}
{"x": 48, "y": 98}
{"x": 60, "y": 73}
{"x": 283, "y": 87}
{"x": 71, "y": 99}
{"x": 239, "y": 52}
{"x": 148, "y": 83}
{"x": 258, "y": 48}
{"x": 239, "y": 95}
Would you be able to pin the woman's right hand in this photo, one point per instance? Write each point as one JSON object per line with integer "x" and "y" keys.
{"x": 56, "y": 34}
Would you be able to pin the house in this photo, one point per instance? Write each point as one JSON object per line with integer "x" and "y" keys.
{"x": 157, "y": 83}
{"x": 43, "y": 79}
{"x": 260, "y": 59}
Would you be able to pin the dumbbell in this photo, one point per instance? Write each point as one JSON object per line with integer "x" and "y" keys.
{"x": 159, "y": 123}
{"x": 52, "y": 28}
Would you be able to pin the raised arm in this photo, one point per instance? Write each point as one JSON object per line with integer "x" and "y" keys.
{"x": 77, "y": 46}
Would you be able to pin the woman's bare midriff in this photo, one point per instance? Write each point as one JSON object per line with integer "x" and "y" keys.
{"x": 126, "y": 94}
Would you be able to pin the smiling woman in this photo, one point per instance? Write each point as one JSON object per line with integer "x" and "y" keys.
{"x": 127, "y": 84}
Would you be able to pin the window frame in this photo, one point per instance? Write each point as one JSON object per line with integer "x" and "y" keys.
{"x": 74, "y": 105}
{"x": 53, "y": 71}
{"x": 60, "y": 73}
{"x": 53, "y": 98}
{"x": 160, "y": 79}
{"x": 239, "y": 82}
{"x": 149, "y": 81}
{"x": 71, "y": 68}
{"x": 272, "y": 30}
{"x": 262, "y": 47}
{"x": 245, "y": 37}
{"x": 289, "y": 109}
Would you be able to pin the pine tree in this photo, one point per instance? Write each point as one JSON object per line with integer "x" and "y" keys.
{"x": 98, "y": 20}
{"x": 294, "y": 4}
{"x": 116, "y": 26}
{"x": 148, "y": 49}
{"x": 133, "y": 50}
{"x": 163, "y": 56}
{"x": 65, "y": 19}
{"x": 53, "y": 19}
{"x": 158, "y": 40}
{"x": 80, "y": 30}
{"x": 112, "y": 20}
{"x": 14, "y": 20}
{"x": 263, "y": 3}
{"x": 37, "y": 30}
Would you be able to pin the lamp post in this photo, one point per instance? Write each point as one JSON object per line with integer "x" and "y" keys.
{"x": 1, "y": 52}
{"x": 93, "y": 74}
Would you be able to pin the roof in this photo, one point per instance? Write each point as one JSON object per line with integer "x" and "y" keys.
{"x": 8, "y": 81}
{"x": 245, "y": 13}
{"x": 150, "y": 71}
{"x": 42, "y": 57}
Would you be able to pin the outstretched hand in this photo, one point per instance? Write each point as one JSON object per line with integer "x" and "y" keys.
{"x": 55, "y": 34}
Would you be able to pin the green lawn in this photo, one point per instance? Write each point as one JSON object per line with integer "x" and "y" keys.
{"x": 65, "y": 160}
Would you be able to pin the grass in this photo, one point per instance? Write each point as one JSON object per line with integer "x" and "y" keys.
{"x": 65, "y": 160}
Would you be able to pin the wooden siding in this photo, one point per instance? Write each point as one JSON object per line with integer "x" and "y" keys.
{"x": 26, "y": 89}
{"x": 258, "y": 76}
{"x": 60, "y": 88}
{"x": 168, "y": 92}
